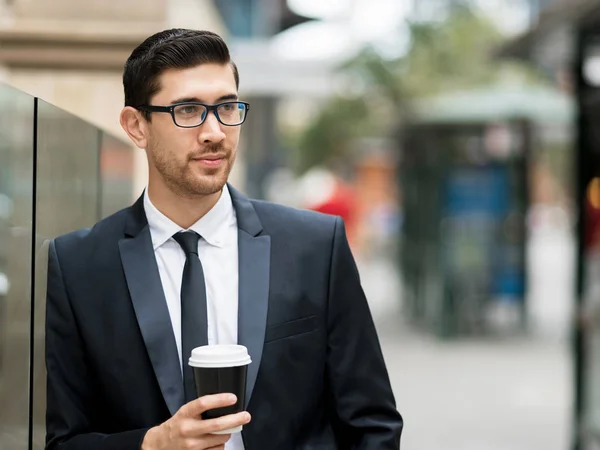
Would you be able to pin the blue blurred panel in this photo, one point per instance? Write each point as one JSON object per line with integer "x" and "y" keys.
{"x": 477, "y": 205}
{"x": 481, "y": 190}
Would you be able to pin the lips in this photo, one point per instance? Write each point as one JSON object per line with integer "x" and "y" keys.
{"x": 210, "y": 160}
{"x": 211, "y": 157}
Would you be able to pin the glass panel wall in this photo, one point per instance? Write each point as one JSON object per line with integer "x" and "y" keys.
{"x": 16, "y": 206}
{"x": 57, "y": 174}
{"x": 67, "y": 199}
{"x": 117, "y": 161}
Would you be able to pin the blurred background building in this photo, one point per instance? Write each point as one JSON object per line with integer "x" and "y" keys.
{"x": 71, "y": 53}
{"x": 455, "y": 137}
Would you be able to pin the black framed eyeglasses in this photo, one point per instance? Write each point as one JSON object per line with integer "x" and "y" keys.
{"x": 193, "y": 114}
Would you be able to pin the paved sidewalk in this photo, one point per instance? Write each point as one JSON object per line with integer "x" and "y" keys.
{"x": 511, "y": 395}
{"x": 477, "y": 394}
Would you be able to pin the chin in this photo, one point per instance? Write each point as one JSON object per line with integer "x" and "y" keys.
{"x": 208, "y": 187}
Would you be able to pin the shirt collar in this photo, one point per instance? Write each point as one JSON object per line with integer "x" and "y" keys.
{"x": 211, "y": 226}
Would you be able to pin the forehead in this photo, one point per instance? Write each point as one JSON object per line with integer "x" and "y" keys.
{"x": 205, "y": 82}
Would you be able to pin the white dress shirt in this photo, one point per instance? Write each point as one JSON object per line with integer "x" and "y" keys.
{"x": 218, "y": 252}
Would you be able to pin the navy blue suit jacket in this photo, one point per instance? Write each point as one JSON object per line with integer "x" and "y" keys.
{"x": 317, "y": 378}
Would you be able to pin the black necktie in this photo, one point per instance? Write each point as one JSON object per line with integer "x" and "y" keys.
{"x": 194, "y": 322}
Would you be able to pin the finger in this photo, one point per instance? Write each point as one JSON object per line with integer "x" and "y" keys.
{"x": 207, "y": 402}
{"x": 190, "y": 428}
{"x": 225, "y": 422}
{"x": 210, "y": 441}
{"x": 216, "y": 444}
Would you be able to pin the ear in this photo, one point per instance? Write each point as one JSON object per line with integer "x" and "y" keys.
{"x": 135, "y": 125}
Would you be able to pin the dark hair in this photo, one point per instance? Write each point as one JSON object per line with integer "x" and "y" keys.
{"x": 176, "y": 48}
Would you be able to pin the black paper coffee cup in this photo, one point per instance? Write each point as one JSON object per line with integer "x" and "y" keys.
{"x": 221, "y": 369}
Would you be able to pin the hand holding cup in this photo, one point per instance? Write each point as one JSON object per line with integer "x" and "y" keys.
{"x": 221, "y": 369}
{"x": 207, "y": 423}
{"x": 187, "y": 430}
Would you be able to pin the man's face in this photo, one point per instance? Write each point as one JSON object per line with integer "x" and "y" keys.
{"x": 193, "y": 161}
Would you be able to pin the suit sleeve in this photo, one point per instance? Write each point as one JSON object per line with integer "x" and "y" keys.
{"x": 361, "y": 394}
{"x": 70, "y": 389}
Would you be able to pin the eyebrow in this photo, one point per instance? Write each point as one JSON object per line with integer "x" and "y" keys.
{"x": 222, "y": 98}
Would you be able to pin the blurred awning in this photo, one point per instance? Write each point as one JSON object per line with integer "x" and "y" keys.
{"x": 266, "y": 72}
{"x": 539, "y": 105}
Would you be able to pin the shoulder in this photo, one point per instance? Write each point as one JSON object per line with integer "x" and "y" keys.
{"x": 274, "y": 217}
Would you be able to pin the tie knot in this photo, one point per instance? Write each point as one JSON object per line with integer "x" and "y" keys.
{"x": 188, "y": 240}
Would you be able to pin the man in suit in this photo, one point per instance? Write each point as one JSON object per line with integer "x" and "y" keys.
{"x": 194, "y": 262}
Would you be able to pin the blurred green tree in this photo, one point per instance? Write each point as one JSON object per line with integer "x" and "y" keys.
{"x": 453, "y": 54}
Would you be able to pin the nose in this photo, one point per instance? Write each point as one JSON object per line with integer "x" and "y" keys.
{"x": 211, "y": 131}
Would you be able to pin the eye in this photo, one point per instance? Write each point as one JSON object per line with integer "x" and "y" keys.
{"x": 188, "y": 109}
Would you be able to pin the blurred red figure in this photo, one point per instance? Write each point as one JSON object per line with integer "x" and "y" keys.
{"x": 326, "y": 193}
{"x": 340, "y": 203}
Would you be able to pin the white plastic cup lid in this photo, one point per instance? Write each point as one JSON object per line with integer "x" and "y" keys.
{"x": 214, "y": 356}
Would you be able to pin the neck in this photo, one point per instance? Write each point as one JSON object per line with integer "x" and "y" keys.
{"x": 184, "y": 211}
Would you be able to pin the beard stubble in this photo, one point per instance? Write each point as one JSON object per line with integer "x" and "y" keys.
{"x": 184, "y": 180}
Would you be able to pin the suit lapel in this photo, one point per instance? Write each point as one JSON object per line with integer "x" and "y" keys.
{"x": 147, "y": 295}
{"x": 254, "y": 251}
